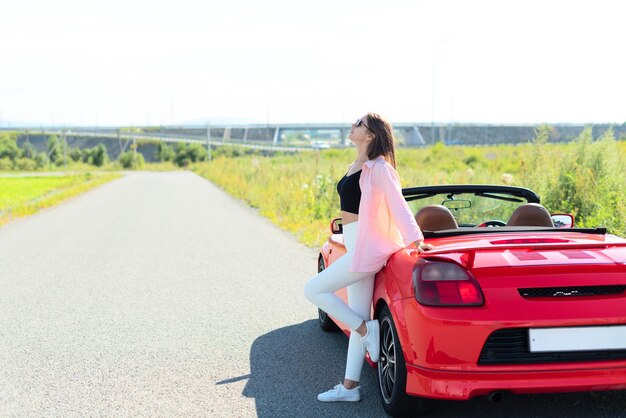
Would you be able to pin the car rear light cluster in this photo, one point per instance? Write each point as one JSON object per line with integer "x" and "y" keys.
{"x": 443, "y": 283}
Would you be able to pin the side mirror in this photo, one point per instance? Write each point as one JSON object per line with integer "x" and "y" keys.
{"x": 563, "y": 220}
{"x": 336, "y": 226}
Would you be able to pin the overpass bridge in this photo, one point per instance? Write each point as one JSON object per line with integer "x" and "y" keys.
{"x": 408, "y": 131}
{"x": 272, "y": 136}
{"x": 262, "y": 134}
{"x": 259, "y": 136}
{"x": 125, "y": 138}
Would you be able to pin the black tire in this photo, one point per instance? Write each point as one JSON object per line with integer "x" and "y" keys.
{"x": 326, "y": 323}
{"x": 392, "y": 372}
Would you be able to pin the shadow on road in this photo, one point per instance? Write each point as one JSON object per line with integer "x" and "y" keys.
{"x": 290, "y": 365}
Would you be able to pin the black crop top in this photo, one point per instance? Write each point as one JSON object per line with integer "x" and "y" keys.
{"x": 350, "y": 192}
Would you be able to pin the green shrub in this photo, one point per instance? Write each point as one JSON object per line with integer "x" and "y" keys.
{"x": 41, "y": 160}
{"x": 99, "y": 155}
{"x": 6, "y": 164}
{"x": 189, "y": 153}
{"x": 229, "y": 151}
{"x": 590, "y": 182}
{"x": 55, "y": 150}
{"x": 8, "y": 147}
{"x": 165, "y": 152}
{"x": 25, "y": 164}
{"x": 131, "y": 160}
{"x": 76, "y": 154}
{"x": 471, "y": 160}
{"x": 28, "y": 150}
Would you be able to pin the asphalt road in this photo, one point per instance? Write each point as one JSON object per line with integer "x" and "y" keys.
{"x": 158, "y": 294}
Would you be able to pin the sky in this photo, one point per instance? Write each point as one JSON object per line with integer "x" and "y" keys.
{"x": 156, "y": 62}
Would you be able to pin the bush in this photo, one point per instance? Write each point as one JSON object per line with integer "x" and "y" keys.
{"x": 189, "y": 153}
{"x": 76, "y": 154}
{"x": 590, "y": 181}
{"x": 8, "y": 147}
{"x": 55, "y": 150}
{"x": 28, "y": 150}
{"x": 6, "y": 164}
{"x": 471, "y": 160}
{"x": 25, "y": 164}
{"x": 41, "y": 160}
{"x": 131, "y": 160}
{"x": 165, "y": 152}
{"x": 226, "y": 151}
{"x": 99, "y": 155}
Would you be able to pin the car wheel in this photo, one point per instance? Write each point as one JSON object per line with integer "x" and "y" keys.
{"x": 392, "y": 372}
{"x": 326, "y": 323}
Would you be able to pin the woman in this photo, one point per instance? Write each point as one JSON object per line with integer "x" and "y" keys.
{"x": 377, "y": 222}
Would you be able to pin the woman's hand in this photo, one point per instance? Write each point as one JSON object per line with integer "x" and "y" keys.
{"x": 421, "y": 247}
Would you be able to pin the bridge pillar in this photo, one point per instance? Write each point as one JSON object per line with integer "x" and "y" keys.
{"x": 343, "y": 140}
{"x": 414, "y": 137}
{"x": 245, "y": 134}
{"x": 276, "y": 139}
{"x": 226, "y": 134}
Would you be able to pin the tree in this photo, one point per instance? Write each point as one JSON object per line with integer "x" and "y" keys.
{"x": 197, "y": 152}
{"x": 8, "y": 147}
{"x": 28, "y": 150}
{"x": 165, "y": 152}
{"x": 189, "y": 153}
{"x": 132, "y": 160}
{"x": 99, "y": 155}
{"x": 41, "y": 160}
{"x": 75, "y": 154}
{"x": 55, "y": 150}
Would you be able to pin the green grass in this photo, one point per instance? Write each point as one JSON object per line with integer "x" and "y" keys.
{"x": 19, "y": 190}
{"x": 297, "y": 192}
{"x": 22, "y": 196}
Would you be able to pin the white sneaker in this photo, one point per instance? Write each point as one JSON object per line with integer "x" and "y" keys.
{"x": 371, "y": 340}
{"x": 339, "y": 393}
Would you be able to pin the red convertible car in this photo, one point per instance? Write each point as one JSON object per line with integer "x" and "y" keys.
{"x": 513, "y": 299}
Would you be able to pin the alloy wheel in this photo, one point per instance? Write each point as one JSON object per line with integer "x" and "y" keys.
{"x": 387, "y": 360}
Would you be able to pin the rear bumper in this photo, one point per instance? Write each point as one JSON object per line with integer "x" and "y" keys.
{"x": 465, "y": 385}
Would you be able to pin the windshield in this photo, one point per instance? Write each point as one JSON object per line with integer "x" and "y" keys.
{"x": 470, "y": 209}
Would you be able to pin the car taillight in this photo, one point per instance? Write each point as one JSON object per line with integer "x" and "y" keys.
{"x": 442, "y": 283}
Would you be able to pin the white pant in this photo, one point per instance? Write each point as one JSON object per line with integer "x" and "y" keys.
{"x": 360, "y": 286}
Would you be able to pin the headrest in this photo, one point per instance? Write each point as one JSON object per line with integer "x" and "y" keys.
{"x": 435, "y": 218}
{"x": 530, "y": 214}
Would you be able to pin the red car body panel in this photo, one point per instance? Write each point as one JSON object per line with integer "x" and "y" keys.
{"x": 442, "y": 345}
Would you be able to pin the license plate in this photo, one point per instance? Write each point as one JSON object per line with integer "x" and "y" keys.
{"x": 577, "y": 338}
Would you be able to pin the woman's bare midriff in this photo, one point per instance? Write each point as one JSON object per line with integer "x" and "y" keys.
{"x": 348, "y": 217}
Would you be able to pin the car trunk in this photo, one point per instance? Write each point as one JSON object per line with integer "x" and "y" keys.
{"x": 555, "y": 300}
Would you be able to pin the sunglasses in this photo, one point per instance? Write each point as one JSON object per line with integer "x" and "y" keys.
{"x": 359, "y": 122}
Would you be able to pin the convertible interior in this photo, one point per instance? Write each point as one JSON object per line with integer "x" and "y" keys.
{"x": 451, "y": 210}
{"x": 439, "y": 217}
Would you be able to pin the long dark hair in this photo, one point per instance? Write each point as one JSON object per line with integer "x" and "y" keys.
{"x": 383, "y": 143}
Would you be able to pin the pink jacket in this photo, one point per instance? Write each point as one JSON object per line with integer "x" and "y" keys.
{"x": 386, "y": 223}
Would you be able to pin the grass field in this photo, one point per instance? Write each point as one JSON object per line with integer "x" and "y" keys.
{"x": 22, "y": 196}
{"x": 586, "y": 177}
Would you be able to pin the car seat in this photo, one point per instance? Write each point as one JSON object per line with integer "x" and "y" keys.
{"x": 530, "y": 214}
{"x": 435, "y": 218}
